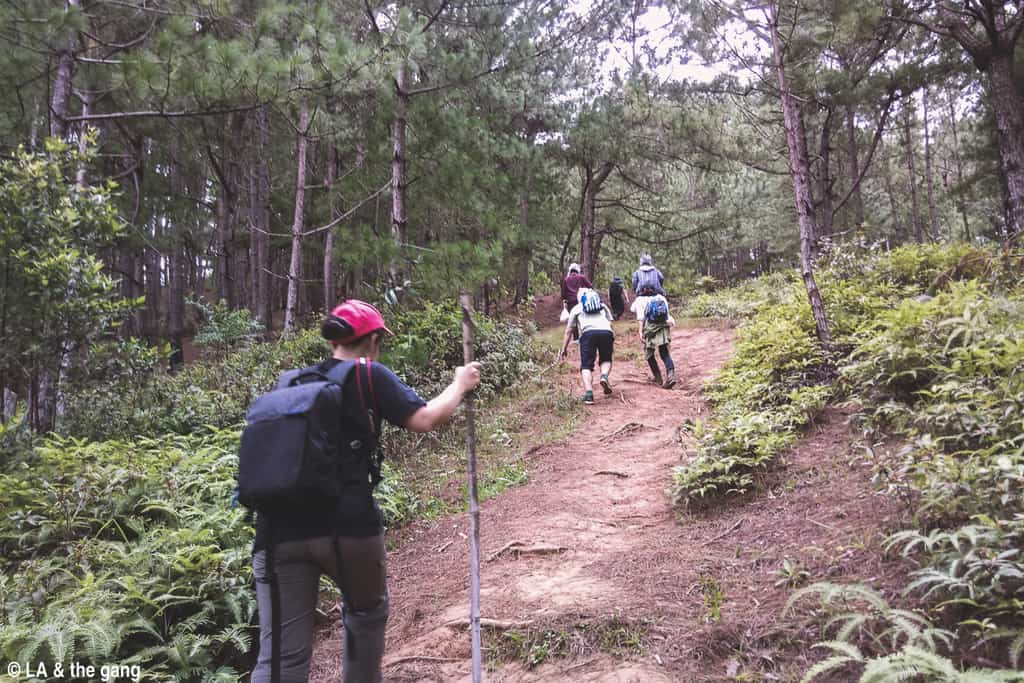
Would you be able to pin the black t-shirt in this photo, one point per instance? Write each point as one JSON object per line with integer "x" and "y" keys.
{"x": 356, "y": 513}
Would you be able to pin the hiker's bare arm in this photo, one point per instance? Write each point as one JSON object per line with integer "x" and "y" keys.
{"x": 440, "y": 408}
{"x": 565, "y": 343}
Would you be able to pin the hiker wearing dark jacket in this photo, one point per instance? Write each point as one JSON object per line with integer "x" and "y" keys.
{"x": 648, "y": 280}
{"x": 618, "y": 296}
{"x": 345, "y": 541}
{"x": 574, "y": 280}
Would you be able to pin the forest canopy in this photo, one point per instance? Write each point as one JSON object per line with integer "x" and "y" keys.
{"x": 277, "y": 157}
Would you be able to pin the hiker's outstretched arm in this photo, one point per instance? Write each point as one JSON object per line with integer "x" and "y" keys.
{"x": 565, "y": 341}
{"x": 440, "y": 408}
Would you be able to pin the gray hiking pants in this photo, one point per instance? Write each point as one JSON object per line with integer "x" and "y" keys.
{"x": 357, "y": 566}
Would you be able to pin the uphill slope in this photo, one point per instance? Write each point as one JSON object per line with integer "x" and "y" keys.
{"x": 614, "y": 586}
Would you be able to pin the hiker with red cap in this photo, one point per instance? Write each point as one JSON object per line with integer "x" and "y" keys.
{"x": 345, "y": 538}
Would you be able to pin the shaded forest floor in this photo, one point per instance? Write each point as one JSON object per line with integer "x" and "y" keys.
{"x": 620, "y": 588}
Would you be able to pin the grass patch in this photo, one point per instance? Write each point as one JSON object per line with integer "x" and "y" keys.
{"x": 564, "y": 638}
{"x": 504, "y": 478}
{"x": 526, "y": 415}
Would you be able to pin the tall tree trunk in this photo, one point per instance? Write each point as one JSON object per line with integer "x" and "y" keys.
{"x": 856, "y": 199}
{"x": 398, "y": 216}
{"x": 960, "y": 204}
{"x": 593, "y": 180}
{"x": 330, "y": 291}
{"x": 295, "y": 267}
{"x": 915, "y": 212}
{"x": 1008, "y": 106}
{"x": 894, "y": 207}
{"x": 825, "y": 180}
{"x": 259, "y": 219}
{"x": 220, "y": 244}
{"x": 522, "y": 255}
{"x": 60, "y": 90}
{"x": 83, "y": 129}
{"x": 929, "y": 183}
{"x": 796, "y": 141}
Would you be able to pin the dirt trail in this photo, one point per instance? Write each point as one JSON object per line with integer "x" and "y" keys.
{"x": 626, "y": 555}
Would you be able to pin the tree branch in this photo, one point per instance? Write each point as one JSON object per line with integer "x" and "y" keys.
{"x": 164, "y": 114}
{"x": 871, "y": 153}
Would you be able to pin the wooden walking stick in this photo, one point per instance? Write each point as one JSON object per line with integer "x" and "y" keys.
{"x": 466, "y": 301}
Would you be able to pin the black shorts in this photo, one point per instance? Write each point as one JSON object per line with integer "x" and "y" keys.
{"x": 596, "y": 343}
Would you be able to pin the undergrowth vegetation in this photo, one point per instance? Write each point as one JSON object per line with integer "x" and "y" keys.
{"x": 928, "y": 342}
{"x": 568, "y": 637}
{"x": 119, "y": 541}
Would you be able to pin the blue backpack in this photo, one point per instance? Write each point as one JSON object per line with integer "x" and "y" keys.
{"x": 657, "y": 311}
{"x": 590, "y": 302}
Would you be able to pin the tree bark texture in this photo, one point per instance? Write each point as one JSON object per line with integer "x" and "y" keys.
{"x": 63, "y": 76}
{"x": 259, "y": 219}
{"x": 825, "y": 180}
{"x": 915, "y": 209}
{"x": 929, "y": 182}
{"x": 295, "y": 267}
{"x": 853, "y": 161}
{"x": 796, "y": 142}
{"x": 522, "y": 255}
{"x": 593, "y": 179}
{"x": 960, "y": 204}
{"x": 398, "y": 129}
{"x": 1008, "y": 107}
{"x": 330, "y": 291}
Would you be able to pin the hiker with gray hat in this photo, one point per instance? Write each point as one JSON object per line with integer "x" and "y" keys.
{"x": 648, "y": 280}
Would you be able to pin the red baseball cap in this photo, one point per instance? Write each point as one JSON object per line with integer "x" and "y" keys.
{"x": 351, "y": 320}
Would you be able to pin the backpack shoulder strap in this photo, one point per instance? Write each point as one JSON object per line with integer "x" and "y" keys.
{"x": 364, "y": 383}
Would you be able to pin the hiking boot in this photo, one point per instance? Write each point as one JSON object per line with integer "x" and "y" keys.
{"x": 657, "y": 378}
{"x": 606, "y": 385}
{"x": 588, "y": 398}
{"x": 670, "y": 379}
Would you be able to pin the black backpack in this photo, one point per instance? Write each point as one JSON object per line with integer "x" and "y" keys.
{"x": 297, "y": 450}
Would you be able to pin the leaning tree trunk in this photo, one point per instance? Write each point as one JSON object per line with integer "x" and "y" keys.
{"x": 1008, "y": 106}
{"x": 295, "y": 267}
{"x": 796, "y": 141}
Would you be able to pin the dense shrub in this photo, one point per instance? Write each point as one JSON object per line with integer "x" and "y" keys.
{"x": 216, "y": 392}
{"x": 740, "y": 301}
{"x": 929, "y": 340}
{"x": 130, "y": 552}
{"x": 776, "y": 382}
{"x": 210, "y": 393}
